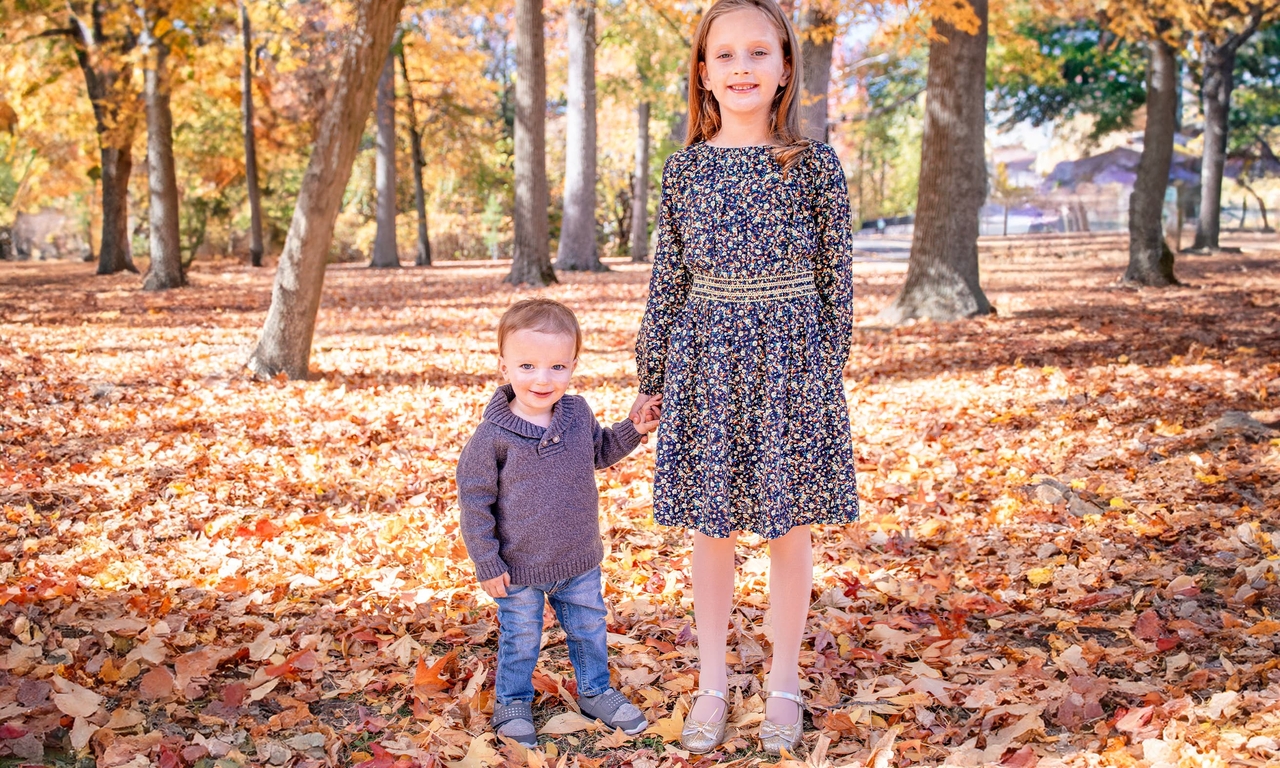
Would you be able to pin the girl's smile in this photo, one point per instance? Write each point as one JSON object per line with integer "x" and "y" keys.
{"x": 744, "y": 67}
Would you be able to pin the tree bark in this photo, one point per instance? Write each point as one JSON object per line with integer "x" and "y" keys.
{"x": 385, "y": 251}
{"x": 285, "y": 343}
{"x": 578, "y": 249}
{"x": 819, "y": 37}
{"x": 117, "y": 163}
{"x": 531, "y": 264}
{"x": 423, "y": 256}
{"x": 166, "y": 247}
{"x": 1219, "y": 66}
{"x": 942, "y": 273}
{"x": 640, "y": 188}
{"x": 256, "y": 246}
{"x": 1150, "y": 258}
{"x": 108, "y": 83}
{"x": 680, "y": 117}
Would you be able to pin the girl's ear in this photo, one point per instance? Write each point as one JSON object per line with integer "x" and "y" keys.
{"x": 702, "y": 74}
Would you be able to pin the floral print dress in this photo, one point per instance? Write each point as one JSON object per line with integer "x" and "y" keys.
{"x": 746, "y": 334}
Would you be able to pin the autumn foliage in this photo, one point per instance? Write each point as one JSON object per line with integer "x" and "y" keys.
{"x": 1068, "y": 554}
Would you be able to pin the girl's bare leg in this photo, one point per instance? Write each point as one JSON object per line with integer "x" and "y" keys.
{"x": 713, "y": 572}
{"x": 790, "y": 590}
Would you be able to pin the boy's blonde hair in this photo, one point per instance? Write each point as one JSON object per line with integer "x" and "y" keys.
{"x": 542, "y": 315}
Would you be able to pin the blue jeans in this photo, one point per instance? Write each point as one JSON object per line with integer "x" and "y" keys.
{"x": 579, "y": 605}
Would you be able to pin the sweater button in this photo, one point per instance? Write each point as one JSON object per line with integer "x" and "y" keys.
{"x": 555, "y": 439}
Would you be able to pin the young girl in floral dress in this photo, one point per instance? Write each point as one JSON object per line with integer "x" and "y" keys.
{"x": 745, "y": 336}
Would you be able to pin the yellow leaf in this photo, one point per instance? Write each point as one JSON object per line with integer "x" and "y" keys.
{"x": 1040, "y": 576}
{"x": 1169, "y": 430}
{"x": 614, "y": 740}
{"x": 480, "y": 754}
{"x": 1119, "y": 503}
{"x": 668, "y": 727}
{"x": 566, "y": 722}
{"x": 1210, "y": 479}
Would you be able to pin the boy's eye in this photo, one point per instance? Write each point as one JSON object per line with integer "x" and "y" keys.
{"x": 558, "y": 367}
{"x": 526, "y": 366}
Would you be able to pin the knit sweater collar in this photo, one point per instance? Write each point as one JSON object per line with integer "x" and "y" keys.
{"x": 499, "y": 412}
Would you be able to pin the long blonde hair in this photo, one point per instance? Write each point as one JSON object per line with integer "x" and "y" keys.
{"x": 784, "y": 120}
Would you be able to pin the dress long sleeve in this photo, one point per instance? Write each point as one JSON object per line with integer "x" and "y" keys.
{"x": 833, "y": 261}
{"x": 668, "y": 287}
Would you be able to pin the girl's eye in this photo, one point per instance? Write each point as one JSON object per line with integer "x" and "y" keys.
{"x": 762, "y": 53}
{"x": 723, "y": 56}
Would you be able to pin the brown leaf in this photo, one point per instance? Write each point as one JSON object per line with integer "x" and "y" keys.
{"x": 156, "y": 684}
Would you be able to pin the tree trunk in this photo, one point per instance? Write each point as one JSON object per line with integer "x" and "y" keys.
{"x": 640, "y": 188}
{"x": 1219, "y": 66}
{"x": 942, "y": 274}
{"x": 819, "y": 37}
{"x": 680, "y": 117}
{"x": 1262, "y": 205}
{"x": 531, "y": 264}
{"x": 285, "y": 343}
{"x": 578, "y": 249}
{"x": 117, "y": 163}
{"x": 256, "y": 247}
{"x": 423, "y": 256}
{"x": 166, "y": 247}
{"x": 385, "y": 251}
{"x": 1150, "y": 258}
{"x": 111, "y": 94}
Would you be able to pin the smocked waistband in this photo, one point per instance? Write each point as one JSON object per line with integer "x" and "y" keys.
{"x": 789, "y": 285}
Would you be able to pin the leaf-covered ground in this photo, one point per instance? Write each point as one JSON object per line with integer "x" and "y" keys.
{"x": 1068, "y": 555}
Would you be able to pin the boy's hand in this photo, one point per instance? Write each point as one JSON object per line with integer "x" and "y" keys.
{"x": 646, "y": 419}
{"x": 497, "y": 586}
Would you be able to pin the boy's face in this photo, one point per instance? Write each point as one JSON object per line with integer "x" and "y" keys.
{"x": 539, "y": 366}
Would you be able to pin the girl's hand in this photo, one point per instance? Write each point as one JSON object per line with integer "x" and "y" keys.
{"x": 650, "y": 414}
{"x": 497, "y": 586}
{"x": 642, "y": 413}
{"x": 638, "y": 406}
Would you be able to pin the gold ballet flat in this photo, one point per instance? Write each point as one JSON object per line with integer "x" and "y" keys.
{"x": 702, "y": 737}
{"x": 776, "y": 737}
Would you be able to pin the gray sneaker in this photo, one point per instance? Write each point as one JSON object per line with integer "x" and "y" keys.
{"x": 613, "y": 709}
{"x": 515, "y": 721}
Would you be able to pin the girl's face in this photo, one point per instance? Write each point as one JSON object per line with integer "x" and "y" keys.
{"x": 744, "y": 65}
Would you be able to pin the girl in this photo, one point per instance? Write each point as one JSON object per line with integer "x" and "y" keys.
{"x": 745, "y": 337}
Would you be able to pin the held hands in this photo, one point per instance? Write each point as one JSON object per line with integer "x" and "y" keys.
{"x": 645, "y": 414}
{"x": 497, "y": 586}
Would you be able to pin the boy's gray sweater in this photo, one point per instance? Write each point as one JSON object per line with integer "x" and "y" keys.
{"x": 528, "y": 495}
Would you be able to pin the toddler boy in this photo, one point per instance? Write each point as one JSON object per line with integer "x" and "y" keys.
{"x": 530, "y": 515}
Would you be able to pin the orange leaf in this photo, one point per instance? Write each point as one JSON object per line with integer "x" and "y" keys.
{"x": 428, "y": 680}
